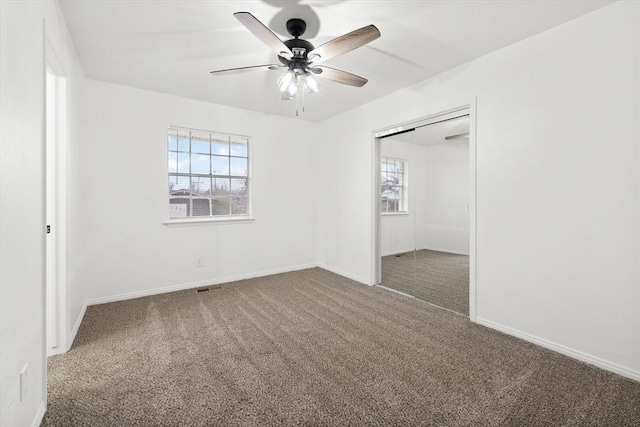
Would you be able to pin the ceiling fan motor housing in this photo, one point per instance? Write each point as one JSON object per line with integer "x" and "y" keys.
{"x": 300, "y": 48}
{"x": 296, "y": 27}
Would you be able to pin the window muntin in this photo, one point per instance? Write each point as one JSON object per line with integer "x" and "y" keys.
{"x": 393, "y": 185}
{"x": 208, "y": 174}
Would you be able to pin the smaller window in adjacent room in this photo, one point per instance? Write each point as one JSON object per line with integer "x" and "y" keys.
{"x": 393, "y": 185}
{"x": 208, "y": 174}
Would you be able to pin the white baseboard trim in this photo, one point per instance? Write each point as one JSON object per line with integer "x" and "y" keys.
{"x": 39, "y": 415}
{"x": 446, "y": 250}
{"x": 76, "y": 326}
{"x": 395, "y": 291}
{"x": 449, "y": 251}
{"x": 398, "y": 251}
{"x": 183, "y": 286}
{"x": 345, "y": 274}
{"x": 567, "y": 351}
{"x": 56, "y": 351}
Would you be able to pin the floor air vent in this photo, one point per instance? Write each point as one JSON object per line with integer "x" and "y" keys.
{"x": 209, "y": 288}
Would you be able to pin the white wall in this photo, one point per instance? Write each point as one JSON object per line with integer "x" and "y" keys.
{"x": 557, "y": 184}
{"x": 129, "y": 251}
{"x": 442, "y": 222}
{"x": 22, "y": 198}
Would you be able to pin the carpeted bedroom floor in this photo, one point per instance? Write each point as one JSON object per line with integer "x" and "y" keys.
{"x": 312, "y": 348}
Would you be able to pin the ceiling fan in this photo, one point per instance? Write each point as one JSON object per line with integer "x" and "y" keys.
{"x": 299, "y": 58}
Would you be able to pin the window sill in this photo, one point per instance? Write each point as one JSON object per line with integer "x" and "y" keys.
{"x": 206, "y": 221}
{"x": 394, "y": 213}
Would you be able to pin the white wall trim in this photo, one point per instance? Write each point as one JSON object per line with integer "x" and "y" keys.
{"x": 567, "y": 351}
{"x": 39, "y": 415}
{"x": 191, "y": 285}
{"x": 473, "y": 208}
{"x": 430, "y": 248}
{"x": 343, "y": 273}
{"x": 445, "y": 250}
{"x": 58, "y": 162}
{"x": 76, "y": 326}
{"x": 398, "y": 251}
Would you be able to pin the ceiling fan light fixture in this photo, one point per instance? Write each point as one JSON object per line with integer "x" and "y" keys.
{"x": 292, "y": 89}
{"x": 286, "y": 80}
{"x": 311, "y": 84}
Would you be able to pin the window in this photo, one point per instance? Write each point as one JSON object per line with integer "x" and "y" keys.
{"x": 208, "y": 174}
{"x": 393, "y": 185}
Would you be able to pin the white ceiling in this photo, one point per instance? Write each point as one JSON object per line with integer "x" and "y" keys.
{"x": 170, "y": 46}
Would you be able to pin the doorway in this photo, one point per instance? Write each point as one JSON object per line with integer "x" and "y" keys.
{"x": 56, "y": 95}
{"x": 425, "y": 209}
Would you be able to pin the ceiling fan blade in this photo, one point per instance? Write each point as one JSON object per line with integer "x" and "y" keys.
{"x": 345, "y": 43}
{"x": 262, "y": 32}
{"x": 340, "y": 76}
{"x": 245, "y": 69}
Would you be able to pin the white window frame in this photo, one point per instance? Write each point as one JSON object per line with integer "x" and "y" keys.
{"x": 403, "y": 208}
{"x": 199, "y": 220}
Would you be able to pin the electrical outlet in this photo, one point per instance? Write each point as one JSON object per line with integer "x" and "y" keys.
{"x": 24, "y": 382}
{"x": 198, "y": 261}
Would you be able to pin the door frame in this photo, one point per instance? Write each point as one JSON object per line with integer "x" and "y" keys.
{"x": 56, "y": 181}
{"x": 376, "y": 223}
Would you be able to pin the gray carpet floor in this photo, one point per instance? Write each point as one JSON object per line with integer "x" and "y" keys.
{"x": 440, "y": 278}
{"x": 311, "y": 348}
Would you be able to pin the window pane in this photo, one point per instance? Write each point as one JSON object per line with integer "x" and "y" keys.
{"x": 220, "y": 205}
{"x": 200, "y": 186}
{"x": 399, "y": 197}
{"x": 239, "y": 187}
{"x": 200, "y": 163}
{"x": 221, "y": 147}
{"x": 238, "y": 166}
{"x": 172, "y": 140}
{"x": 220, "y": 186}
{"x": 200, "y": 146}
{"x": 239, "y": 147}
{"x": 238, "y": 205}
{"x": 183, "y": 162}
{"x": 200, "y": 143}
{"x": 173, "y": 162}
{"x": 179, "y": 185}
{"x": 201, "y": 207}
{"x": 178, "y": 208}
{"x": 220, "y": 165}
{"x": 183, "y": 141}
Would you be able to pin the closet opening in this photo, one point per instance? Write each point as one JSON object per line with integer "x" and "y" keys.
{"x": 424, "y": 227}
